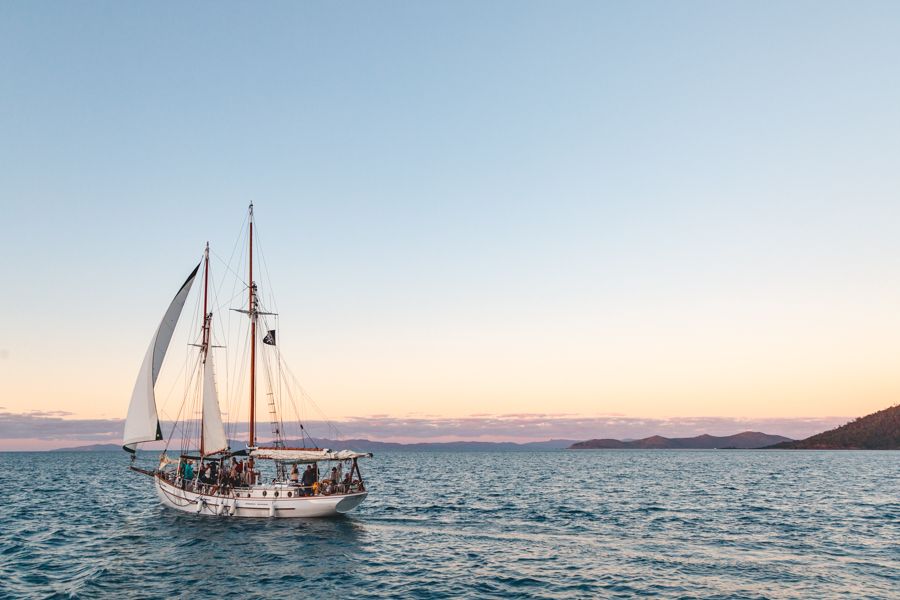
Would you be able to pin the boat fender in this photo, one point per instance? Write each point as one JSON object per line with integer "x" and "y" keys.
{"x": 272, "y": 510}
{"x": 200, "y": 504}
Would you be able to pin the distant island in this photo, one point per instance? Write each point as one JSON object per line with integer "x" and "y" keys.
{"x": 877, "y": 431}
{"x": 373, "y": 446}
{"x": 90, "y": 448}
{"x": 743, "y": 441}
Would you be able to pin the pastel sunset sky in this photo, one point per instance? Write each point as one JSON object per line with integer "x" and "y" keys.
{"x": 631, "y": 211}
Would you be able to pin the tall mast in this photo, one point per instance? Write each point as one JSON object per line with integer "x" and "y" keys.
{"x": 252, "y": 311}
{"x": 204, "y": 347}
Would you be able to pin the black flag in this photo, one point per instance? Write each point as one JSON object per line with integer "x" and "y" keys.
{"x": 270, "y": 338}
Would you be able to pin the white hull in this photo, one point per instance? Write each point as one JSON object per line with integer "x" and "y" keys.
{"x": 269, "y": 501}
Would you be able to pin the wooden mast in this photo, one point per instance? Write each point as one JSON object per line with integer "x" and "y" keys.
{"x": 252, "y": 310}
{"x": 204, "y": 345}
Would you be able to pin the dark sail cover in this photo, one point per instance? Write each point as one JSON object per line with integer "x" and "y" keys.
{"x": 270, "y": 338}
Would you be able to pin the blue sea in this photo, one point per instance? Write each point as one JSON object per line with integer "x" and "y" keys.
{"x": 603, "y": 524}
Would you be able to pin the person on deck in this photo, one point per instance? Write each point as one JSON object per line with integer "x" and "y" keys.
{"x": 295, "y": 474}
{"x": 215, "y": 479}
{"x": 239, "y": 473}
{"x": 187, "y": 479}
{"x": 308, "y": 478}
{"x": 250, "y": 472}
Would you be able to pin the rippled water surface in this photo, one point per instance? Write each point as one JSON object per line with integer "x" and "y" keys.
{"x": 538, "y": 524}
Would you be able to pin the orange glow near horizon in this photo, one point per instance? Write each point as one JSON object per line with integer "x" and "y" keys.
{"x": 773, "y": 363}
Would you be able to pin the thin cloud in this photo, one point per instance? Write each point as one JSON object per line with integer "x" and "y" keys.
{"x": 520, "y": 427}
{"x": 51, "y": 425}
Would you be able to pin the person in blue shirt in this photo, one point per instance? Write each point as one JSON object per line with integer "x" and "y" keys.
{"x": 188, "y": 471}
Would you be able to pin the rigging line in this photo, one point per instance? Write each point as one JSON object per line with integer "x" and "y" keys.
{"x": 234, "y": 386}
{"x": 217, "y": 290}
{"x": 219, "y": 307}
{"x": 234, "y": 248}
{"x": 239, "y": 328}
{"x": 232, "y": 367}
{"x": 297, "y": 412}
{"x": 274, "y": 382}
{"x": 177, "y": 421}
{"x": 302, "y": 434}
{"x": 192, "y": 328}
{"x": 236, "y": 401}
{"x": 233, "y": 376}
{"x": 228, "y": 267}
{"x": 311, "y": 401}
{"x": 270, "y": 396}
{"x": 195, "y": 423}
{"x": 198, "y": 317}
{"x": 265, "y": 265}
{"x": 168, "y": 395}
{"x": 214, "y": 326}
{"x": 262, "y": 356}
{"x": 218, "y": 339}
{"x": 279, "y": 372}
{"x": 187, "y": 350}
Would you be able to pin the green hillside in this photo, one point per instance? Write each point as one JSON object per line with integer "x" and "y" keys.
{"x": 878, "y": 431}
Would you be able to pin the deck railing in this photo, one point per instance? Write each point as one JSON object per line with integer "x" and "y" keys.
{"x": 228, "y": 488}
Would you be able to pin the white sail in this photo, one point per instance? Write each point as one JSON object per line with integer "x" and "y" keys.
{"x": 214, "y": 439}
{"x": 142, "y": 422}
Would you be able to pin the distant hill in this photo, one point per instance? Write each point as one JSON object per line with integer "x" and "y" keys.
{"x": 91, "y": 448}
{"x": 878, "y": 431}
{"x": 373, "y": 446}
{"x": 745, "y": 440}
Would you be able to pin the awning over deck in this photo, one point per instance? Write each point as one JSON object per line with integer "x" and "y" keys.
{"x": 306, "y": 456}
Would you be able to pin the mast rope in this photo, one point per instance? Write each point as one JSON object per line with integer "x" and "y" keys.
{"x": 177, "y": 423}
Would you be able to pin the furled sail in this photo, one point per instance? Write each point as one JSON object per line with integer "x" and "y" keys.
{"x": 214, "y": 439}
{"x": 142, "y": 422}
{"x": 303, "y": 455}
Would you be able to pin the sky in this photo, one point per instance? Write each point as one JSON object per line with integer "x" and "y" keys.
{"x": 647, "y": 212}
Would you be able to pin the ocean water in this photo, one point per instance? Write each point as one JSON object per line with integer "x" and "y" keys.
{"x": 612, "y": 524}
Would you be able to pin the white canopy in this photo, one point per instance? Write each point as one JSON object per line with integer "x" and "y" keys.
{"x": 142, "y": 422}
{"x": 306, "y": 456}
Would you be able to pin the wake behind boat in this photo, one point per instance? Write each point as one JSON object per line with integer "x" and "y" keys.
{"x": 209, "y": 477}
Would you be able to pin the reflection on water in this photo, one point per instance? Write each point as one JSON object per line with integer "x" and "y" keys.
{"x": 543, "y": 524}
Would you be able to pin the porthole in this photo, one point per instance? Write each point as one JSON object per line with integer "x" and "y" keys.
{"x": 290, "y": 494}
{"x": 264, "y": 493}
{"x": 276, "y": 494}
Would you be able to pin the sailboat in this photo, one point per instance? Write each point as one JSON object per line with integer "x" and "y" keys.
{"x": 210, "y": 478}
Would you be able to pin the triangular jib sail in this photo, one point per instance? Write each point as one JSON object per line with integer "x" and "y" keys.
{"x": 214, "y": 439}
{"x": 142, "y": 423}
